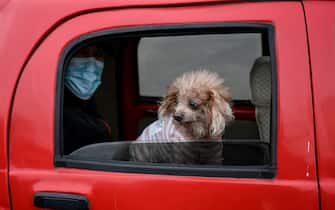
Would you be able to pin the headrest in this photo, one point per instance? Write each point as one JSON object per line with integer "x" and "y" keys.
{"x": 260, "y": 81}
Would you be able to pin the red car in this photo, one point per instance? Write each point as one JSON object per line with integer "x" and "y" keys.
{"x": 278, "y": 153}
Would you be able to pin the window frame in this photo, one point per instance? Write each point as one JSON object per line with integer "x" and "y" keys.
{"x": 260, "y": 171}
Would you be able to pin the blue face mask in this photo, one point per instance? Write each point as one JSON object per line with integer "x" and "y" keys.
{"x": 83, "y": 76}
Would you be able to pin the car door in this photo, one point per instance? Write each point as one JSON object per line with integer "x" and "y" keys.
{"x": 40, "y": 175}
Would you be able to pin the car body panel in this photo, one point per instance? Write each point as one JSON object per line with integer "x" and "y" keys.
{"x": 320, "y": 19}
{"x": 32, "y": 167}
{"x": 23, "y": 27}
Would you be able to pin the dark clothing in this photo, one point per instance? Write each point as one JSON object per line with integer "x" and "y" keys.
{"x": 82, "y": 125}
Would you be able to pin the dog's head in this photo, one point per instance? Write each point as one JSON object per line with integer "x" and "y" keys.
{"x": 199, "y": 103}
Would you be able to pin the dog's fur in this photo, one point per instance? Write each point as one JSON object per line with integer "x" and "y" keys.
{"x": 194, "y": 113}
{"x": 198, "y": 103}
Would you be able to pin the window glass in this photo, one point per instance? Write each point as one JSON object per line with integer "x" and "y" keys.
{"x": 164, "y": 58}
{"x": 197, "y": 122}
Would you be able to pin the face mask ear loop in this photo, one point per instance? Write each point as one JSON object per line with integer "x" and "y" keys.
{"x": 99, "y": 63}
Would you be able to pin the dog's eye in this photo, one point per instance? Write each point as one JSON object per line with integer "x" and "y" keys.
{"x": 193, "y": 105}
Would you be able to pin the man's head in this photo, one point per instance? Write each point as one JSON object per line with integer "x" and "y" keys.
{"x": 84, "y": 72}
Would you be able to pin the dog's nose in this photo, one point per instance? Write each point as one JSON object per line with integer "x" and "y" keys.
{"x": 178, "y": 117}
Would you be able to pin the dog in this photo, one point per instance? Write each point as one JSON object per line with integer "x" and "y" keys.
{"x": 195, "y": 108}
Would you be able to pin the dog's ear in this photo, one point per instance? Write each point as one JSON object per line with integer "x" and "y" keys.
{"x": 221, "y": 112}
{"x": 169, "y": 102}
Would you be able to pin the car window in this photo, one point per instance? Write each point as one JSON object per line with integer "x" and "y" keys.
{"x": 230, "y": 55}
{"x": 182, "y": 99}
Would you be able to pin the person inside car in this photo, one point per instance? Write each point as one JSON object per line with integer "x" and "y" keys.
{"x": 82, "y": 124}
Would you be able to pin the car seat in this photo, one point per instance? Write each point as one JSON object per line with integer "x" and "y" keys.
{"x": 260, "y": 85}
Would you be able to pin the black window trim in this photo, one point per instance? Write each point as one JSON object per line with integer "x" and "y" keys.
{"x": 264, "y": 171}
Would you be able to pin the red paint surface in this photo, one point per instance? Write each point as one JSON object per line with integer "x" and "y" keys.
{"x": 32, "y": 129}
{"x": 321, "y": 31}
{"x": 24, "y": 23}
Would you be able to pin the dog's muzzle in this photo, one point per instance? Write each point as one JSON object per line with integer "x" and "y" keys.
{"x": 178, "y": 117}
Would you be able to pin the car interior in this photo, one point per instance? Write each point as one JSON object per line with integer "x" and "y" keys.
{"x": 246, "y": 141}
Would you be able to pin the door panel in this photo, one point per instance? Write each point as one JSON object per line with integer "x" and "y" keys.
{"x": 33, "y": 123}
{"x": 320, "y": 24}
{"x": 4, "y": 200}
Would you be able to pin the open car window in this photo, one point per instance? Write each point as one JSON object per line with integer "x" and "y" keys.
{"x": 117, "y": 113}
